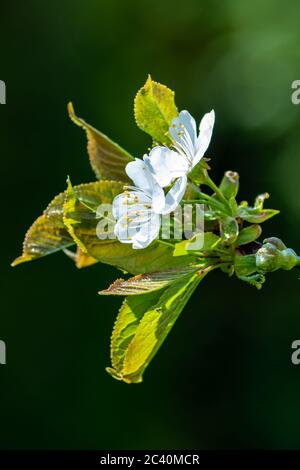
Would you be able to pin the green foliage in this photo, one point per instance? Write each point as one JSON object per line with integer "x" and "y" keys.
{"x": 154, "y": 109}
{"x": 47, "y": 235}
{"x": 143, "y": 324}
{"x": 107, "y": 158}
{"x": 149, "y": 282}
{"x": 255, "y": 215}
{"x": 208, "y": 240}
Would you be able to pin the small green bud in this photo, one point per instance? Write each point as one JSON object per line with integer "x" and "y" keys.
{"x": 230, "y": 184}
{"x": 275, "y": 255}
{"x": 229, "y": 230}
{"x": 267, "y": 258}
{"x": 276, "y": 242}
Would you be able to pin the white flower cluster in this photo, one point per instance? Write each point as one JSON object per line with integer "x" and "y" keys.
{"x": 138, "y": 210}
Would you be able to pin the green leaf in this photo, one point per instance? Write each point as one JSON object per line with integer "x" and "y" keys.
{"x": 210, "y": 242}
{"x": 107, "y": 158}
{"x": 256, "y": 215}
{"x": 47, "y": 234}
{"x": 80, "y": 210}
{"x": 154, "y": 109}
{"x": 148, "y": 282}
{"x": 126, "y": 324}
{"x": 248, "y": 234}
{"x": 143, "y": 324}
{"x": 181, "y": 248}
{"x": 124, "y": 257}
{"x": 81, "y": 218}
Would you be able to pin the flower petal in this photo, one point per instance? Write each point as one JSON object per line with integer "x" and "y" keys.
{"x": 175, "y": 195}
{"x": 165, "y": 165}
{"x": 205, "y": 132}
{"x": 147, "y": 233}
{"x": 140, "y": 175}
{"x": 158, "y": 198}
{"x": 186, "y": 121}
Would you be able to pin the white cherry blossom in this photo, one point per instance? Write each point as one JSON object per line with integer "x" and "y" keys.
{"x": 188, "y": 149}
{"x": 138, "y": 210}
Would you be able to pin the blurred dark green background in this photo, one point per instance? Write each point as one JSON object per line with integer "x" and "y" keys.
{"x": 224, "y": 377}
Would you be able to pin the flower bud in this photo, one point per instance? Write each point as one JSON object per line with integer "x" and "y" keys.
{"x": 276, "y": 242}
{"x": 230, "y": 184}
{"x": 275, "y": 255}
{"x": 229, "y": 230}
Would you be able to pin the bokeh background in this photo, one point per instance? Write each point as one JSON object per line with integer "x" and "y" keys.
{"x": 224, "y": 377}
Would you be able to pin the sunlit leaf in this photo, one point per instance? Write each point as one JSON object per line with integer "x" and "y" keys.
{"x": 123, "y": 256}
{"x": 107, "y": 158}
{"x": 208, "y": 241}
{"x": 143, "y": 324}
{"x": 80, "y": 210}
{"x": 154, "y": 109}
{"x": 47, "y": 234}
{"x": 148, "y": 282}
{"x": 125, "y": 327}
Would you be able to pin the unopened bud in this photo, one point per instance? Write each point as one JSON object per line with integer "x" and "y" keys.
{"x": 276, "y": 242}
{"x": 229, "y": 230}
{"x": 230, "y": 184}
{"x": 275, "y": 255}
